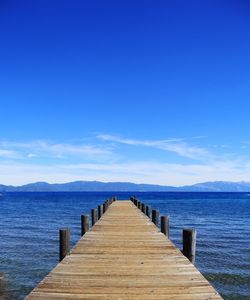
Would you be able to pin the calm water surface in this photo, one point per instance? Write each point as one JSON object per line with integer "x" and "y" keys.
{"x": 30, "y": 222}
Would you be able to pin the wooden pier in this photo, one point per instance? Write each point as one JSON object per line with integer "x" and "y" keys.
{"x": 124, "y": 256}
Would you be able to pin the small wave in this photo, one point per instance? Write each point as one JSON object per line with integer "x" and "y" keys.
{"x": 228, "y": 279}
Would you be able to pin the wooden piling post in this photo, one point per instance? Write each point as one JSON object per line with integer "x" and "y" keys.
{"x": 143, "y": 208}
{"x": 148, "y": 211}
{"x": 64, "y": 243}
{"x": 132, "y": 199}
{"x": 165, "y": 225}
{"x": 139, "y": 205}
{"x": 85, "y": 224}
{"x": 189, "y": 244}
{"x": 100, "y": 211}
{"x": 155, "y": 216}
{"x": 94, "y": 216}
{"x": 136, "y": 203}
{"x": 105, "y": 206}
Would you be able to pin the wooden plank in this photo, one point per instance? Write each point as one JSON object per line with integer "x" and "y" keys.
{"x": 124, "y": 256}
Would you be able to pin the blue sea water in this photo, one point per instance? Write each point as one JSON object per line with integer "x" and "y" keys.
{"x": 29, "y": 224}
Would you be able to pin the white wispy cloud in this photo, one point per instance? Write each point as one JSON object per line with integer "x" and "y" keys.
{"x": 138, "y": 172}
{"x": 11, "y": 154}
{"x": 23, "y": 162}
{"x": 40, "y": 148}
{"x": 165, "y": 173}
{"x": 178, "y": 146}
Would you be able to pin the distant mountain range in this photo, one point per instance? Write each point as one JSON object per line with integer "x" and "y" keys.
{"x": 97, "y": 186}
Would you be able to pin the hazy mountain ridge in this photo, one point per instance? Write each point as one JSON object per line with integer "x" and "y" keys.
{"x": 96, "y": 186}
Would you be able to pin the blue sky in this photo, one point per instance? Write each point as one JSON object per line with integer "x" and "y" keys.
{"x": 141, "y": 91}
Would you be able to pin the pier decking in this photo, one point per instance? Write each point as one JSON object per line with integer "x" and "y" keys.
{"x": 124, "y": 256}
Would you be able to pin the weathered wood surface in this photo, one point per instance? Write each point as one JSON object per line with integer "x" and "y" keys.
{"x": 124, "y": 256}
